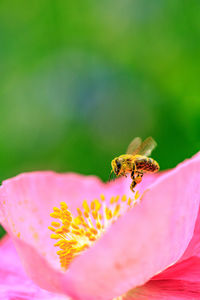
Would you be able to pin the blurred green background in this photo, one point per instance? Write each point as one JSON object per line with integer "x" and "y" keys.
{"x": 80, "y": 79}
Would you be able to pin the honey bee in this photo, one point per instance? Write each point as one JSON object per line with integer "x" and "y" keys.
{"x": 136, "y": 161}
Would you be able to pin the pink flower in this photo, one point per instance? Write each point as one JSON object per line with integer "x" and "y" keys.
{"x": 152, "y": 250}
{"x": 14, "y": 283}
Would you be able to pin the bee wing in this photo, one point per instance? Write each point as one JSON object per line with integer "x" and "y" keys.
{"x": 147, "y": 147}
{"x": 142, "y": 148}
{"x": 134, "y": 146}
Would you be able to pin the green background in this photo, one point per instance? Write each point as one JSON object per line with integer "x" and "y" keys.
{"x": 80, "y": 79}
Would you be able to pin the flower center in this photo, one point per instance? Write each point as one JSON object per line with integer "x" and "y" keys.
{"x": 77, "y": 233}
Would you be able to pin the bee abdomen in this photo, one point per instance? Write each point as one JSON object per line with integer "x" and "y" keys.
{"x": 147, "y": 165}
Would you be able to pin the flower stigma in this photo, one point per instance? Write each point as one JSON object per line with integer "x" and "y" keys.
{"x": 75, "y": 234}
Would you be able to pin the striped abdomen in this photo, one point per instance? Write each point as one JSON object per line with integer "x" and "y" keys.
{"x": 146, "y": 164}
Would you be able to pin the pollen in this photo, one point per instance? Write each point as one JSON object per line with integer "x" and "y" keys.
{"x": 75, "y": 233}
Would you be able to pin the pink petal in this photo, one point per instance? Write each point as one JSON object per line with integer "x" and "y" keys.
{"x": 14, "y": 284}
{"x": 145, "y": 241}
{"x": 193, "y": 248}
{"x": 26, "y": 202}
{"x": 180, "y": 281}
{"x": 188, "y": 270}
{"x": 165, "y": 290}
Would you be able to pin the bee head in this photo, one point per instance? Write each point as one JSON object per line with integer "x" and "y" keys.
{"x": 116, "y": 166}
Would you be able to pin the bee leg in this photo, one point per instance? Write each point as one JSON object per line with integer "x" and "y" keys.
{"x": 133, "y": 184}
{"x": 138, "y": 178}
{"x": 122, "y": 173}
{"x": 133, "y": 173}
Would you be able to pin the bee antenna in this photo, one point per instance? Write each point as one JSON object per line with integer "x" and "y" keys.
{"x": 110, "y": 175}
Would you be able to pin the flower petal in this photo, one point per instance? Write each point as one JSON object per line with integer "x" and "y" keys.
{"x": 146, "y": 240}
{"x": 165, "y": 290}
{"x": 14, "y": 284}
{"x": 180, "y": 281}
{"x": 188, "y": 270}
{"x": 26, "y": 202}
{"x": 193, "y": 248}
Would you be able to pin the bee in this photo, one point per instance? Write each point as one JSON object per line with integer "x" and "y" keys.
{"x": 136, "y": 161}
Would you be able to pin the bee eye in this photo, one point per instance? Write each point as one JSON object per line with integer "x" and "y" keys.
{"x": 118, "y": 164}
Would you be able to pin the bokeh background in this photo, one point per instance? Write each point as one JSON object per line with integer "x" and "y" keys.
{"x": 80, "y": 79}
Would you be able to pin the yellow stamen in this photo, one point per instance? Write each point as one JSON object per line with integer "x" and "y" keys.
{"x": 137, "y": 195}
{"x": 102, "y": 197}
{"x": 63, "y": 205}
{"x": 55, "y": 224}
{"x": 112, "y": 200}
{"x": 55, "y": 215}
{"x": 124, "y": 198}
{"x": 108, "y": 213}
{"x": 85, "y": 206}
{"x": 56, "y": 209}
{"x": 55, "y": 236}
{"x": 52, "y": 229}
{"x": 129, "y": 201}
{"x": 77, "y": 233}
{"x": 117, "y": 209}
{"x": 117, "y": 198}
